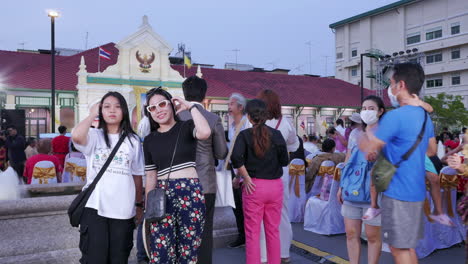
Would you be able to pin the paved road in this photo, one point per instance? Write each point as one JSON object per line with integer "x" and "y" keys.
{"x": 311, "y": 248}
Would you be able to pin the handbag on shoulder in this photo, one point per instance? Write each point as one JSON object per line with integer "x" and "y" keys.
{"x": 383, "y": 170}
{"x": 156, "y": 199}
{"x": 78, "y": 204}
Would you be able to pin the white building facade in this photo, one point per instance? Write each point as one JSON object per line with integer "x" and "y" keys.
{"x": 438, "y": 29}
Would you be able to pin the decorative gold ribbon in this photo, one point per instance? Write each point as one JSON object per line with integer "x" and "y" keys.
{"x": 448, "y": 182}
{"x": 326, "y": 170}
{"x": 44, "y": 174}
{"x": 337, "y": 174}
{"x": 294, "y": 172}
{"x": 80, "y": 171}
{"x": 70, "y": 167}
{"x": 427, "y": 206}
{"x": 309, "y": 161}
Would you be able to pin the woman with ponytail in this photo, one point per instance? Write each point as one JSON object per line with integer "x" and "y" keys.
{"x": 259, "y": 155}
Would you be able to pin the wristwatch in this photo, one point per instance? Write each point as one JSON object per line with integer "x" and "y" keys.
{"x": 140, "y": 204}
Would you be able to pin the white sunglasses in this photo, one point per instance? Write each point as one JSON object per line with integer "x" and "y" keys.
{"x": 160, "y": 105}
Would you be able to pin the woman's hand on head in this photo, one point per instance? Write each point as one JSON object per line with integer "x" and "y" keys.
{"x": 94, "y": 111}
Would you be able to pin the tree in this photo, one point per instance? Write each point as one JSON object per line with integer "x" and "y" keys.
{"x": 449, "y": 111}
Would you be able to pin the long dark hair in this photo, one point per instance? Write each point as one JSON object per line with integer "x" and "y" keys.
{"x": 256, "y": 109}
{"x": 380, "y": 104}
{"x": 125, "y": 127}
{"x": 154, "y": 91}
{"x": 272, "y": 102}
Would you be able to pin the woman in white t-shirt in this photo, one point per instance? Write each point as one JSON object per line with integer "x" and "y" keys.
{"x": 276, "y": 121}
{"x": 107, "y": 223}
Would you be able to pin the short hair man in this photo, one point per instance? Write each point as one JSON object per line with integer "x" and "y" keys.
{"x": 209, "y": 150}
{"x": 402, "y": 202}
{"x": 328, "y": 153}
{"x": 15, "y": 144}
{"x": 61, "y": 144}
{"x": 236, "y": 109}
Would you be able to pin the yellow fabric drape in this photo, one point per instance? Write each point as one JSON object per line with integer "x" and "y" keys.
{"x": 70, "y": 167}
{"x": 337, "y": 174}
{"x": 44, "y": 174}
{"x": 138, "y": 91}
{"x": 294, "y": 172}
{"x": 448, "y": 182}
{"x": 80, "y": 171}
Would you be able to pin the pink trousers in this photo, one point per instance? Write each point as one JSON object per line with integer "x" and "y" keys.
{"x": 265, "y": 203}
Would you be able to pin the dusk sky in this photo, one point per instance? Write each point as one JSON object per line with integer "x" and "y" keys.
{"x": 267, "y": 33}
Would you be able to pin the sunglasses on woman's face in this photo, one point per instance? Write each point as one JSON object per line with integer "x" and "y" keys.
{"x": 160, "y": 105}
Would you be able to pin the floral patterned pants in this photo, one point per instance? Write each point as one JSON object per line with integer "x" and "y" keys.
{"x": 177, "y": 237}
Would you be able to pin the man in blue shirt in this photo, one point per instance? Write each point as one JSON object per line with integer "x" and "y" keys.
{"x": 402, "y": 203}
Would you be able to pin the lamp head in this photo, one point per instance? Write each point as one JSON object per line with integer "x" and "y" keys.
{"x": 53, "y": 13}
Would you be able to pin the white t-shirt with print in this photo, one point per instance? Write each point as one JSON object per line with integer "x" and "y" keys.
{"x": 114, "y": 195}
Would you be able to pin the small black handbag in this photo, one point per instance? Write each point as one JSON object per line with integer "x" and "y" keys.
{"x": 78, "y": 204}
{"x": 155, "y": 208}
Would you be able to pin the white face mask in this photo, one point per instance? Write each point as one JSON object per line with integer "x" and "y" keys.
{"x": 393, "y": 98}
{"x": 369, "y": 116}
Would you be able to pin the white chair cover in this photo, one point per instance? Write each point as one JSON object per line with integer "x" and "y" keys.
{"x": 81, "y": 163}
{"x": 69, "y": 168}
{"x": 318, "y": 181}
{"x": 324, "y": 217}
{"x": 296, "y": 204}
{"x": 38, "y": 178}
{"x": 437, "y": 236}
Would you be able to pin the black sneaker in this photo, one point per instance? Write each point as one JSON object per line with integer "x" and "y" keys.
{"x": 239, "y": 242}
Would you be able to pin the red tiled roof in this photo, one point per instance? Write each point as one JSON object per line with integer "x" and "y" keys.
{"x": 292, "y": 89}
{"x": 32, "y": 71}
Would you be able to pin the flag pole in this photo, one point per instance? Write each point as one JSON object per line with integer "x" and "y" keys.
{"x": 99, "y": 59}
{"x": 183, "y": 59}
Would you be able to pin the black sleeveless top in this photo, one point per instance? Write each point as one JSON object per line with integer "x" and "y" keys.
{"x": 159, "y": 147}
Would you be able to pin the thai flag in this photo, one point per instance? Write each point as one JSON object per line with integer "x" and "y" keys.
{"x": 104, "y": 54}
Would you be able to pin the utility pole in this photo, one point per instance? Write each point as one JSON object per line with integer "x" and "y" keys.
{"x": 236, "y": 51}
{"x": 308, "y": 43}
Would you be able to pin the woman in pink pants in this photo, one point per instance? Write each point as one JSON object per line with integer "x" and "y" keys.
{"x": 259, "y": 155}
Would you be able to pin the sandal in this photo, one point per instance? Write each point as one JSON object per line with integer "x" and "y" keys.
{"x": 371, "y": 213}
{"x": 442, "y": 219}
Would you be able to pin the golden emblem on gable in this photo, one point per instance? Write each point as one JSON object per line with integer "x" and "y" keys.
{"x": 145, "y": 61}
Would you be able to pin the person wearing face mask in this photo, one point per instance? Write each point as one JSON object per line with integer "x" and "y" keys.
{"x": 402, "y": 202}
{"x": 373, "y": 109}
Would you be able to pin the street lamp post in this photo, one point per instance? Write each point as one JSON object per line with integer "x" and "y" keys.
{"x": 52, "y": 15}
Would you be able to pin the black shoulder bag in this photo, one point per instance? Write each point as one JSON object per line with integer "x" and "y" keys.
{"x": 156, "y": 201}
{"x": 77, "y": 206}
{"x": 383, "y": 170}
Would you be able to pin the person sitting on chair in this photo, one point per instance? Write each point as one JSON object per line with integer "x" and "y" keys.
{"x": 44, "y": 148}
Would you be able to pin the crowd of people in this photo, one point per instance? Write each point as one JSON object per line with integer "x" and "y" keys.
{"x": 181, "y": 144}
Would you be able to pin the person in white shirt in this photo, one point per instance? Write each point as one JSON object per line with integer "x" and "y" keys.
{"x": 340, "y": 126}
{"x": 107, "y": 223}
{"x": 311, "y": 145}
{"x": 236, "y": 109}
{"x": 276, "y": 121}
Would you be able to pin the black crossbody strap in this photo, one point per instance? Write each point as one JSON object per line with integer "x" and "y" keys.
{"x": 104, "y": 167}
{"x": 174, "y": 152}
{"x": 415, "y": 145}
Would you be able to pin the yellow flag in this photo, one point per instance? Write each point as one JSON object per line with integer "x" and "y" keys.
{"x": 324, "y": 124}
{"x": 187, "y": 61}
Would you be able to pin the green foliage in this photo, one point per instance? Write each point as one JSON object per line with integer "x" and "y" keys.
{"x": 449, "y": 111}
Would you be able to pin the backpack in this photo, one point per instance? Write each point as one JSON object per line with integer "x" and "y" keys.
{"x": 356, "y": 179}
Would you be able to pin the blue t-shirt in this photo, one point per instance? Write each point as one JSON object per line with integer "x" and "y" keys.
{"x": 399, "y": 130}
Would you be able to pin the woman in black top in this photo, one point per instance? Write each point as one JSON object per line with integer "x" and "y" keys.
{"x": 176, "y": 238}
{"x": 259, "y": 155}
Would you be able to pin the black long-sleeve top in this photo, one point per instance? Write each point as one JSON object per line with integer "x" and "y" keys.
{"x": 16, "y": 146}
{"x": 271, "y": 165}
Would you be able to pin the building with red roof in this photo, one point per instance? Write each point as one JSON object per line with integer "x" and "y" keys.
{"x": 140, "y": 62}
